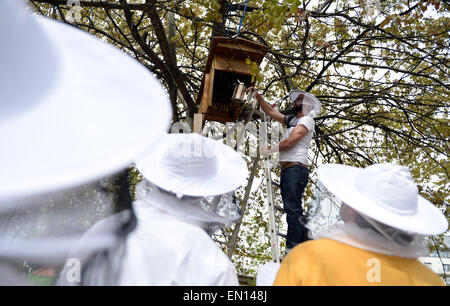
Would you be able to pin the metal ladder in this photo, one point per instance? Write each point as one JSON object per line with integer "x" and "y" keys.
{"x": 271, "y": 210}
{"x": 271, "y": 207}
{"x": 274, "y": 247}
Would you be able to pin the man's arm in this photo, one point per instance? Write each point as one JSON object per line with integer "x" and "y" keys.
{"x": 275, "y": 115}
{"x": 297, "y": 133}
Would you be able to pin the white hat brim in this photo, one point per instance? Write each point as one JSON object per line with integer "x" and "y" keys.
{"x": 293, "y": 94}
{"x": 231, "y": 172}
{"x": 340, "y": 180}
{"x": 102, "y": 110}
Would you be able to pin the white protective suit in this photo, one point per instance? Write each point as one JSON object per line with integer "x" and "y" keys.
{"x": 169, "y": 250}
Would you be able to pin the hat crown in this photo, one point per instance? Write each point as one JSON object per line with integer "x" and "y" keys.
{"x": 190, "y": 158}
{"x": 26, "y": 57}
{"x": 389, "y": 186}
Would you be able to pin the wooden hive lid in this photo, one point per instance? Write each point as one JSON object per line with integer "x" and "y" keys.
{"x": 237, "y": 48}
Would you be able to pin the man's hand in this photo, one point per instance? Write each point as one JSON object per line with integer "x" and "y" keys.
{"x": 268, "y": 150}
{"x": 265, "y": 152}
{"x": 267, "y": 108}
{"x": 257, "y": 94}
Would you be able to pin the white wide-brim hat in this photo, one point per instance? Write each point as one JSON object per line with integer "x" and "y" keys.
{"x": 385, "y": 193}
{"x": 193, "y": 165}
{"x": 310, "y": 105}
{"x": 72, "y": 107}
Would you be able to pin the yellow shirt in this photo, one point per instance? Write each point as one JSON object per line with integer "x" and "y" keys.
{"x": 327, "y": 262}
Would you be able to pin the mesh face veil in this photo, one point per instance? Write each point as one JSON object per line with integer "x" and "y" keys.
{"x": 212, "y": 211}
{"x": 333, "y": 219}
{"x": 310, "y": 105}
{"x": 39, "y": 235}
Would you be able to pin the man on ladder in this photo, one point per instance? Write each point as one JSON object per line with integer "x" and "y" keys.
{"x": 294, "y": 162}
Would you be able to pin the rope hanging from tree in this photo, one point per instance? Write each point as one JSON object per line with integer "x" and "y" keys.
{"x": 242, "y": 18}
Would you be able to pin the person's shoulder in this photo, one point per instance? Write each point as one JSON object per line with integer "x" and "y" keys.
{"x": 319, "y": 247}
{"x": 307, "y": 119}
{"x": 311, "y": 253}
{"x": 308, "y": 122}
{"x": 316, "y": 244}
{"x": 208, "y": 254}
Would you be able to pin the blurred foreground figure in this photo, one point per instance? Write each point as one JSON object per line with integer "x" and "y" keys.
{"x": 187, "y": 193}
{"x": 74, "y": 112}
{"x": 370, "y": 226}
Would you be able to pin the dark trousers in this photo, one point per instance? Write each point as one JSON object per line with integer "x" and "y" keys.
{"x": 293, "y": 181}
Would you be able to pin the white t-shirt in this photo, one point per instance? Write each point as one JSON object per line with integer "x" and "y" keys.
{"x": 299, "y": 152}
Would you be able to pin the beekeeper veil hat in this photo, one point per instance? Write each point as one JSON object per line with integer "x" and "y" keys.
{"x": 201, "y": 174}
{"x": 310, "y": 105}
{"x": 376, "y": 208}
{"x": 72, "y": 107}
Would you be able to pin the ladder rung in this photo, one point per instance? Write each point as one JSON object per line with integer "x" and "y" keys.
{"x": 279, "y": 208}
{"x": 281, "y": 234}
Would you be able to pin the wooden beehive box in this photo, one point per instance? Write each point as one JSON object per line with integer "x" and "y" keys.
{"x": 228, "y": 62}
